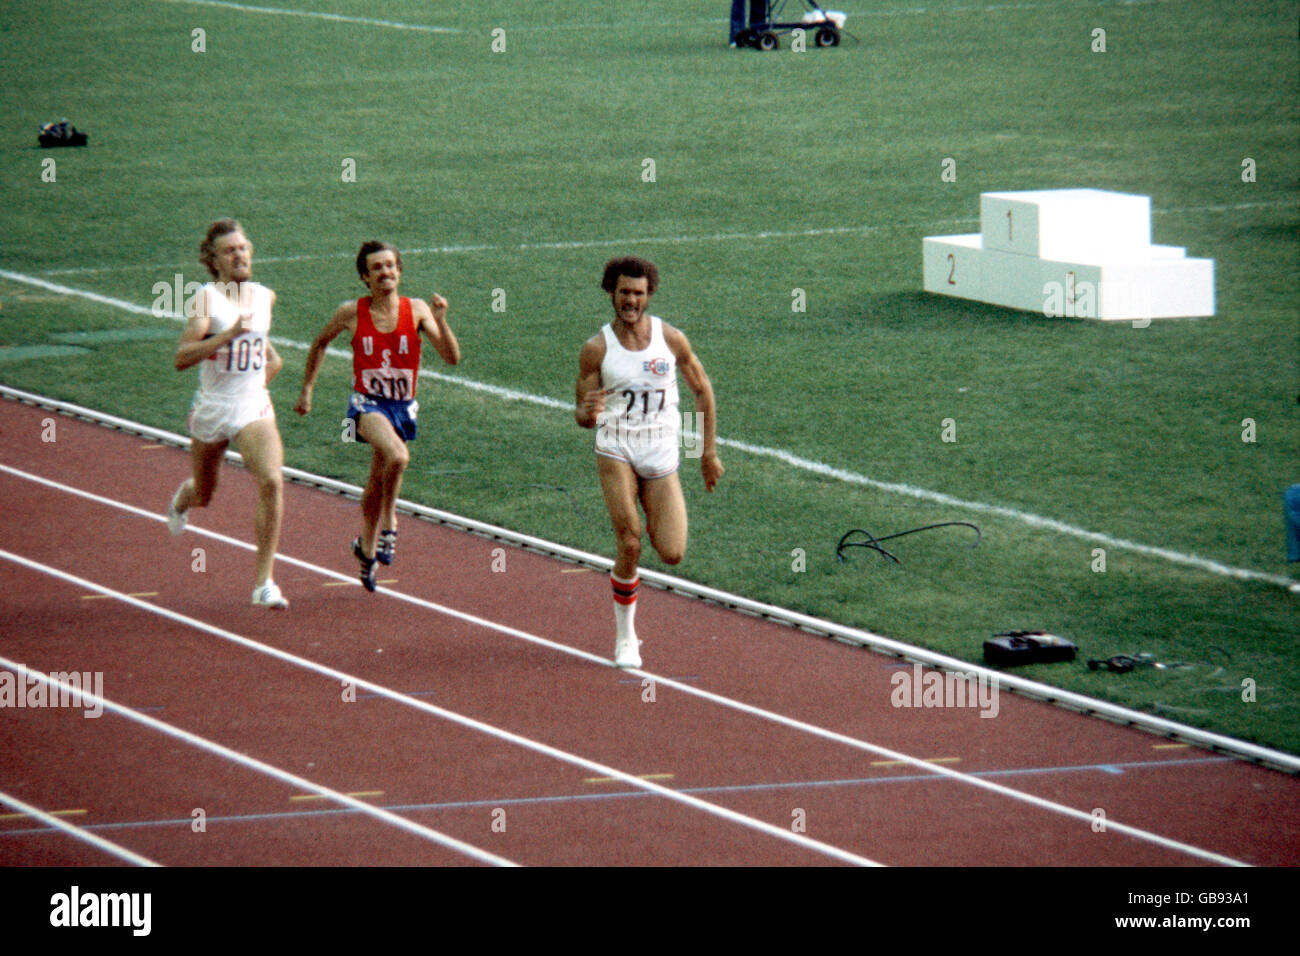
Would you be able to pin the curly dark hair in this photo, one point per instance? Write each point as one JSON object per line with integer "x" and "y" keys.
{"x": 372, "y": 246}
{"x": 634, "y": 267}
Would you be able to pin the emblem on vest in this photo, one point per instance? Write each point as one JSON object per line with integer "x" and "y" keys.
{"x": 658, "y": 366}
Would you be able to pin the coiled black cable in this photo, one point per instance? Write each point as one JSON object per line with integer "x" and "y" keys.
{"x": 873, "y": 542}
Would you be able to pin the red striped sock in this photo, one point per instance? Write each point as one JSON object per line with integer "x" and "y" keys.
{"x": 625, "y": 591}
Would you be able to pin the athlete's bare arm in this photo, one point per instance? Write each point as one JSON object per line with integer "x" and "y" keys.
{"x": 589, "y": 400}
{"x": 196, "y": 344}
{"x": 431, "y": 319}
{"x": 273, "y": 361}
{"x": 344, "y": 320}
{"x": 698, "y": 381}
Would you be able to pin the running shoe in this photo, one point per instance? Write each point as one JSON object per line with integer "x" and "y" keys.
{"x": 176, "y": 519}
{"x": 268, "y": 595}
{"x": 387, "y": 547}
{"x": 367, "y": 573}
{"x": 626, "y": 653}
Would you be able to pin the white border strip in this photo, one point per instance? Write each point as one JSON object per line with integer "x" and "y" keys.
{"x": 780, "y": 454}
{"x": 1219, "y": 743}
{"x": 804, "y": 842}
{"x": 235, "y": 756}
{"x": 108, "y": 846}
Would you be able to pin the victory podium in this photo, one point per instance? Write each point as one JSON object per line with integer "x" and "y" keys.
{"x": 1079, "y": 253}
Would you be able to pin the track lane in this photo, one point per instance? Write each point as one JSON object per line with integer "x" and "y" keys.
{"x": 556, "y": 705}
{"x": 279, "y": 713}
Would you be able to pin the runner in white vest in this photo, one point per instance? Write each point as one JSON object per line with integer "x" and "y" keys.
{"x": 227, "y": 334}
{"x": 640, "y": 424}
{"x": 627, "y": 391}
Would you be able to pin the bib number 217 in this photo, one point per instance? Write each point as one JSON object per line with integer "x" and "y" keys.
{"x": 645, "y": 400}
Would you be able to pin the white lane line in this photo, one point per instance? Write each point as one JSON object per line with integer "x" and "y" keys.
{"x": 311, "y": 14}
{"x": 731, "y": 703}
{"x": 560, "y": 244}
{"x": 1013, "y": 514}
{"x": 939, "y": 769}
{"x": 108, "y": 846}
{"x": 235, "y": 756}
{"x": 778, "y": 454}
{"x": 84, "y": 294}
{"x": 361, "y": 683}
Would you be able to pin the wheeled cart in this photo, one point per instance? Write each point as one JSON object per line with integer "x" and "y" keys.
{"x": 764, "y": 34}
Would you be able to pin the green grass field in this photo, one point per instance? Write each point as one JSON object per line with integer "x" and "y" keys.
{"x": 523, "y": 170}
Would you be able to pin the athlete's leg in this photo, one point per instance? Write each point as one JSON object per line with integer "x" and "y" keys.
{"x": 389, "y": 517}
{"x": 388, "y": 520}
{"x": 386, "y": 470}
{"x": 665, "y": 516}
{"x": 619, "y": 484}
{"x": 386, "y": 525}
{"x": 370, "y": 499}
{"x": 205, "y": 464}
{"x": 259, "y": 443}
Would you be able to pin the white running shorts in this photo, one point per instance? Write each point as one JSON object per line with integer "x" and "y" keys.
{"x": 652, "y": 451}
{"x": 219, "y": 419}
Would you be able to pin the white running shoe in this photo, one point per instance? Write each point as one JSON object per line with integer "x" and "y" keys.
{"x": 268, "y": 595}
{"x": 176, "y": 519}
{"x": 626, "y": 653}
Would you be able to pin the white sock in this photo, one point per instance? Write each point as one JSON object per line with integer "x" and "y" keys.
{"x": 625, "y": 604}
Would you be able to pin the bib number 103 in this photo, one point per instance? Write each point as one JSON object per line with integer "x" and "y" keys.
{"x": 245, "y": 355}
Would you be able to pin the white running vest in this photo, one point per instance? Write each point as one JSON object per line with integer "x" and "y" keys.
{"x": 641, "y": 387}
{"x": 237, "y": 369}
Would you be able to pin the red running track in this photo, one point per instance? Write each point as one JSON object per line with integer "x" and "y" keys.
{"x": 497, "y": 727}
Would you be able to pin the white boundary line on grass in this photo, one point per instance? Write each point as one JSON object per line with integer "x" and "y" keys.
{"x": 661, "y": 25}
{"x": 108, "y": 846}
{"x": 212, "y": 747}
{"x": 527, "y": 743}
{"x": 731, "y": 703}
{"x": 780, "y": 454}
{"x": 338, "y": 17}
{"x": 557, "y": 244}
{"x": 852, "y": 635}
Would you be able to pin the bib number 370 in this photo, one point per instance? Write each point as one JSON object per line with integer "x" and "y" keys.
{"x": 390, "y": 383}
